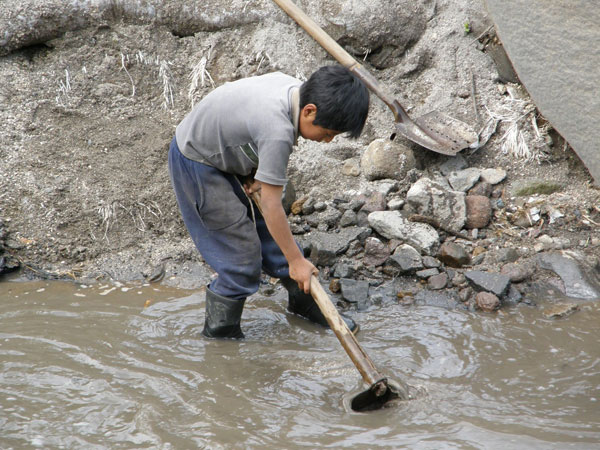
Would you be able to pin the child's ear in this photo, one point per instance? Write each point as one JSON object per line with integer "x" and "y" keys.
{"x": 309, "y": 110}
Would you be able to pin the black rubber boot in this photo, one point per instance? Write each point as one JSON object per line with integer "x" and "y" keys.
{"x": 304, "y": 305}
{"x": 223, "y": 316}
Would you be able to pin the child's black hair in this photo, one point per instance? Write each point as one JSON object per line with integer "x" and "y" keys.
{"x": 342, "y": 100}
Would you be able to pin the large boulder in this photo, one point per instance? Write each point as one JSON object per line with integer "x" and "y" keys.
{"x": 558, "y": 64}
{"x": 385, "y": 158}
{"x": 431, "y": 198}
{"x": 392, "y": 225}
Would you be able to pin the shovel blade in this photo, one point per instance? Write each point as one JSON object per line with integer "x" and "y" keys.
{"x": 378, "y": 396}
{"x": 438, "y": 132}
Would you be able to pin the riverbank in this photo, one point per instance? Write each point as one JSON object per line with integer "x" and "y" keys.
{"x": 88, "y": 115}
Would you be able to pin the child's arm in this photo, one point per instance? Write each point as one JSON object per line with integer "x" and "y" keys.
{"x": 300, "y": 268}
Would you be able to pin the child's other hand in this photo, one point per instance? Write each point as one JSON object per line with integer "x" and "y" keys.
{"x": 252, "y": 186}
{"x": 301, "y": 271}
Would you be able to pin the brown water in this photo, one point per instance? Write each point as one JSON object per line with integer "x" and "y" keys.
{"x": 125, "y": 367}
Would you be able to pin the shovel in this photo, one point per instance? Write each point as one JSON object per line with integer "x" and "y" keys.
{"x": 381, "y": 390}
{"x": 434, "y": 131}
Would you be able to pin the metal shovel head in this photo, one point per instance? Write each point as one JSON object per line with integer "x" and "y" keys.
{"x": 438, "y": 132}
{"x": 379, "y": 395}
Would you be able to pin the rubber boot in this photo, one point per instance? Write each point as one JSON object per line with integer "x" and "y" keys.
{"x": 304, "y": 305}
{"x": 223, "y": 316}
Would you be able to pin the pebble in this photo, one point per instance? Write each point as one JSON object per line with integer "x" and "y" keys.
{"x": 479, "y": 211}
{"x": 453, "y": 255}
{"x": 517, "y": 272}
{"x": 493, "y": 176}
{"x": 560, "y": 310}
{"x": 486, "y": 301}
{"x": 438, "y": 281}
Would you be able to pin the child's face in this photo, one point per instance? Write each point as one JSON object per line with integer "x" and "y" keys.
{"x": 308, "y": 130}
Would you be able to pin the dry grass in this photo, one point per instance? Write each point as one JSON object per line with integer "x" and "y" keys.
{"x": 165, "y": 76}
{"x": 64, "y": 87}
{"x": 167, "y": 81}
{"x": 198, "y": 77}
{"x": 139, "y": 213}
{"x": 522, "y": 138}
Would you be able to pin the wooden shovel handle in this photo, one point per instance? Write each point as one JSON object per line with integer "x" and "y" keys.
{"x": 342, "y": 56}
{"x": 358, "y": 356}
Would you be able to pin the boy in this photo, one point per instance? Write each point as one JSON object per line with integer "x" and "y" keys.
{"x": 246, "y": 130}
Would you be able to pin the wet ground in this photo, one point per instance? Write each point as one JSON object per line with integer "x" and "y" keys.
{"x": 115, "y": 366}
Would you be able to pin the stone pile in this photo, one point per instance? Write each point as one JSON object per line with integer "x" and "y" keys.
{"x": 417, "y": 237}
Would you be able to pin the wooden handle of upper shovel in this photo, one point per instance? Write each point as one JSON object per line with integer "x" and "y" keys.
{"x": 311, "y": 27}
{"x": 358, "y": 356}
{"x": 342, "y": 56}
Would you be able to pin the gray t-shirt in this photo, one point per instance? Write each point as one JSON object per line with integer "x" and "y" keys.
{"x": 247, "y": 124}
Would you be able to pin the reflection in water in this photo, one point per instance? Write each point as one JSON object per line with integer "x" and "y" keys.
{"x": 126, "y": 367}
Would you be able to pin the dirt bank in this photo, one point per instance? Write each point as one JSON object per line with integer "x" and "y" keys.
{"x": 88, "y": 116}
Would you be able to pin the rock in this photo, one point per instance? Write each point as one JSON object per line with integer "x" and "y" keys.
{"x": 438, "y": 281}
{"x": 453, "y": 164}
{"x": 387, "y": 159}
{"x": 391, "y": 225}
{"x": 518, "y": 272}
{"x": 335, "y": 285}
{"x": 395, "y": 204}
{"x": 458, "y": 279}
{"x": 507, "y": 255}
{"x": 344, "y": 270}
{"x": 493, "y": 176}
{"x": 326, "y": 247}
{"x": 362, "y": 219}
{"x": 354, "y": 291}
{"x": 375, "y": 201}
{"x": 487, "y": 301}
{"x": 430, "y": 262}
{"x": 465, "y": 294}
{"x": 354, "y": 249}
{"x": 560, "y": 310}
{"x": 308, "y": 207}
{"x": 578, "y": 283}
{"x": 481, "y": 188}
{"x": 465, "y": 179}
{"x": 348, "y": 218}
{"x": 8, "y": 264}
{"x": 513, "y": 296}
{"x": 376, "y": 252}
{"x": 431, "y": 198}
{"x": 321, "y": 206}
{"x": 297, "y": 206}
{"x": 426, "y": 273}
{"x": 406, "y": 258}
{"x": 357, "y": 203}
{"x": 351, "y": 167}
{"x": 479, "y": 211}
{"x": 386, "y": 187}
{"x": 437, "y": 299}
{"x": 453, "y": 255}
{"x": 495, "y": 283}
{"x": 383, "y": 294}
{"x": 329, "y": 218}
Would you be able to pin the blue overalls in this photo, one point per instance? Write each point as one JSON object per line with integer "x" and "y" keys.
{"x": 219, "y": 218}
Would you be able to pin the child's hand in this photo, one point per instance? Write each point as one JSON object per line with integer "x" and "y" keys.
{"x": 251, "y": 186}
{"x": 301, "y": 271}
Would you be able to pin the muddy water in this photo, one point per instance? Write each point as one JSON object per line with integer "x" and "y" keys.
{"x": 125, "y": 367}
